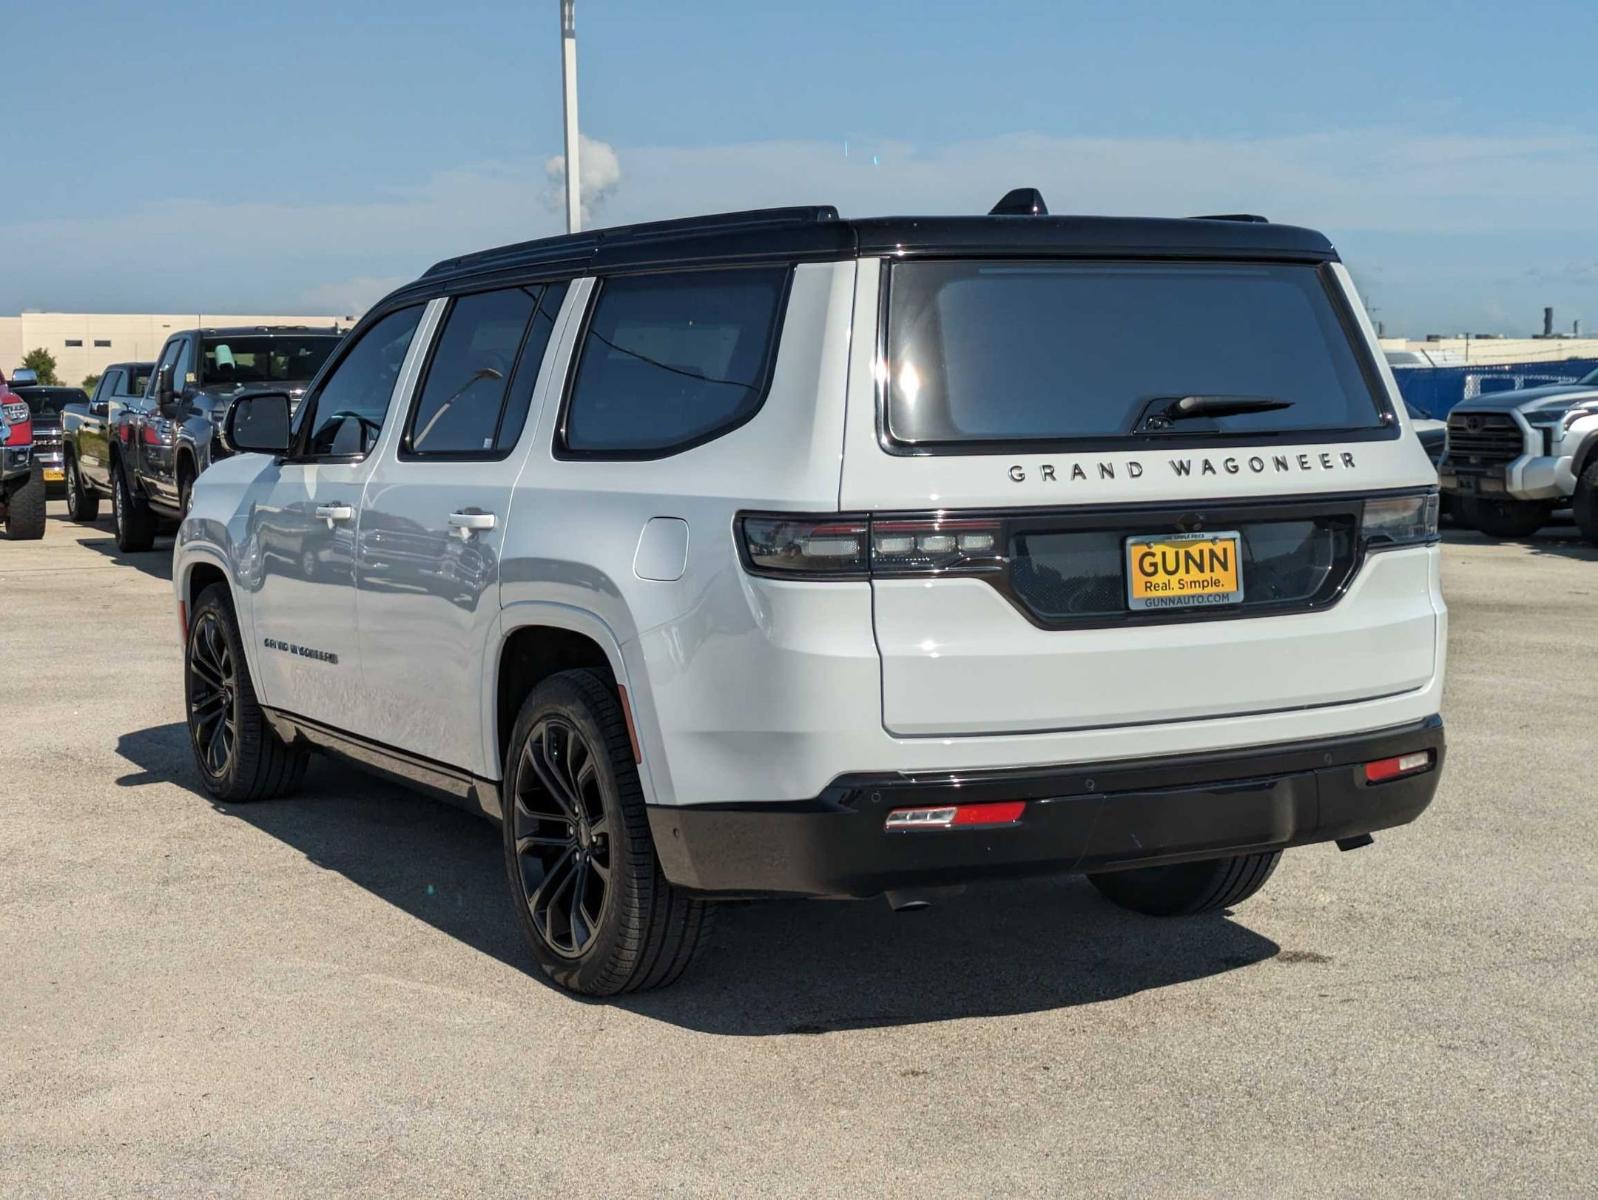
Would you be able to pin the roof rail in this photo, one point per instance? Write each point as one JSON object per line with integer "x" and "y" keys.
{"x": 583, "y": 245}
{"x": 1251, "y": 218}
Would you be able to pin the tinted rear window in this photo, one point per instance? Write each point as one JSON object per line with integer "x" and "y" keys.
{"x": 49, "y": 401}
{"x": 1016, "y": 352}
{"x": 252, "y": 359}
{"x": 672, "y": 360}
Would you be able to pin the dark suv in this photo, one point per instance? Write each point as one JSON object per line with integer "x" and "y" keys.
{"x": 162, "y": 441}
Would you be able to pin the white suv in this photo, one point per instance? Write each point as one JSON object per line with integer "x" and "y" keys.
{"x": 779, "y": 554}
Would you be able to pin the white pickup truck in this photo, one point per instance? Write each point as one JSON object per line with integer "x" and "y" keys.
{"x": 1512, "y": 458}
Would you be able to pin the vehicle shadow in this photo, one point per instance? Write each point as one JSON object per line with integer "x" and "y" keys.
{"x": 778, "y": 967}
{"x": 1551, "y": 541}
{"x": 155, "y": 562}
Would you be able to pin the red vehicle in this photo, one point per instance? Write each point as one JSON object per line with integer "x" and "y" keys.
{"x": 21, "y": 486}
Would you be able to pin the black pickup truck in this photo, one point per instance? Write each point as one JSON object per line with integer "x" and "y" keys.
{"x": 86, "y": 435}
{"x": 159, "y": 443}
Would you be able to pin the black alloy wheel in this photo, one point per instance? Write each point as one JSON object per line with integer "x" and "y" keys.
{"x": 239, "y": 756}
{"x": 562, "y": 836}
{"x": 598, "y": 913}
{"x": 213, "y": 696}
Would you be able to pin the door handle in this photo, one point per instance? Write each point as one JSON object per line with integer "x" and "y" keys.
{"x": 468, "y": 523}
{"x": 334, "y": 512}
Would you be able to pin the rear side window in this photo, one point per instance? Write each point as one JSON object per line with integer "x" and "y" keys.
{"x": 1020, "y": 352}
{"x": 480, "y": 381}
{"x": 670, "y": 361}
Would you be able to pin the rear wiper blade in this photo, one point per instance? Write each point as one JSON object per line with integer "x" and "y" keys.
{"x": 1164, "y": 411}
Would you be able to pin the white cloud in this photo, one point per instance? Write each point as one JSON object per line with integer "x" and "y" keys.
{"x": 599, "y": 174}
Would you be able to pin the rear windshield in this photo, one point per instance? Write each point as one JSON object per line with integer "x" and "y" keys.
{"x": 1043, "y": 351}
{"x": 49, "y": 401}
{"x": 258, "y": 359}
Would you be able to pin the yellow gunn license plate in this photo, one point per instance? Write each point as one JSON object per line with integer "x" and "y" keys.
{"x": 1183, "y": 570}
{"x": 53, "y": 475}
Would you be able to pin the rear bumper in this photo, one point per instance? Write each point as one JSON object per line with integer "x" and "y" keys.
{"x": 1078, "y": 818}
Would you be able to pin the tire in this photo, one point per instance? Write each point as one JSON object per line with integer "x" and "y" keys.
{"x": 238, "y": 756}
{"x": 82, "y": 504}
{"x": 185, "y": 489}
{"x": 1187, "y": 889}
{"x": 1585, "y": 503}
{"x": 135, "y": 523}
{"x": 570, "y": 757}
{"x": 1507, "y": 518}
{"x": 25, "y": 510}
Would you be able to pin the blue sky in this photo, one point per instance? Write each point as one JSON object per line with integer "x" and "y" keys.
{"x": 303, "y": 157}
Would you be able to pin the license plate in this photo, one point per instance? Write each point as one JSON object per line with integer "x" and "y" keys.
{"x": 53, "y": 475}
{"x": 1183, "y": 570}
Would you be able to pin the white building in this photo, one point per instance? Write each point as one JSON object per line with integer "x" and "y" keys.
{"x": 84, "y": 343}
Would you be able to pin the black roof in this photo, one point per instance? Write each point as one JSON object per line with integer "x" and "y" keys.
{"x": 259, "y": 330}
{"x": 818, "y": 233}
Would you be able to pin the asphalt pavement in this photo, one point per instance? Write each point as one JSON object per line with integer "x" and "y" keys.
{"x": 327, "y": 995}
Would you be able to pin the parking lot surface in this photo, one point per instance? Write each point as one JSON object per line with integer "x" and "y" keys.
{"x": 327, "y": 995}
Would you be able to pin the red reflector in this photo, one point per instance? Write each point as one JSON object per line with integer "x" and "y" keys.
{"x": 947, "y": 816}
{"x": 1384, "y": 769}
{"x": 1006, "y": 812}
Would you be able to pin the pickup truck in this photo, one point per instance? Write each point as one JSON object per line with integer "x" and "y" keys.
{"x": 162, "y": 441}
{"x": 86, "y": 440}
{"x": 45, "y": 404}
{"x": 1510, "y": 461}
{"x": 21, "y": 484}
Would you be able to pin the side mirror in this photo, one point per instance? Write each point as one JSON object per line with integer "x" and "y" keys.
{"x": 163, "y": 387}
{"x": 100, "y": 408}
{"x": 258, "y": 424}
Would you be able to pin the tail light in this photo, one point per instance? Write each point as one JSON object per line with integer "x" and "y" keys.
{"x": 850, "y": 547}
{"x": 150, "y": 437}
{"x": 1400, "y": 520}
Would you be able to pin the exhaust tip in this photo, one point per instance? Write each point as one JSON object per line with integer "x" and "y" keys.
{"x": 916, "y": 899}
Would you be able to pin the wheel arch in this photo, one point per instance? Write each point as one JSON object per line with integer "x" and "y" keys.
{"x": 538, "y": 640}
{"x": 1586, "y": 454}
{"x": 196, "y": 569}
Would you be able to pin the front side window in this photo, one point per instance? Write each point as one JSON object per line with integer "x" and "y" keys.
{"x": 346, "y": 414}
{"x": 458, "y": 411}
{"x": 185, "y": 366}
{"x": 672, "y": 360}
{"x": 169, "y": 358}
{"x": 253, "y": 359}
{"x": 1016, "y": 352}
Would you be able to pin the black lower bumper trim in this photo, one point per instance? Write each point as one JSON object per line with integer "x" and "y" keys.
{"x": 1078, "y": 818}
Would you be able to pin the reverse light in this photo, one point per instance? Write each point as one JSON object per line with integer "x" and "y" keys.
{"x": 1400, "y": 520}
{"x": 1384, "y": 769}
{"x": 956, "y": 816}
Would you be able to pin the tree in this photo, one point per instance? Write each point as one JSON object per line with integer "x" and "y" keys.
{"x": 89, "y": 381}
{"x": 42, "y": 363}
